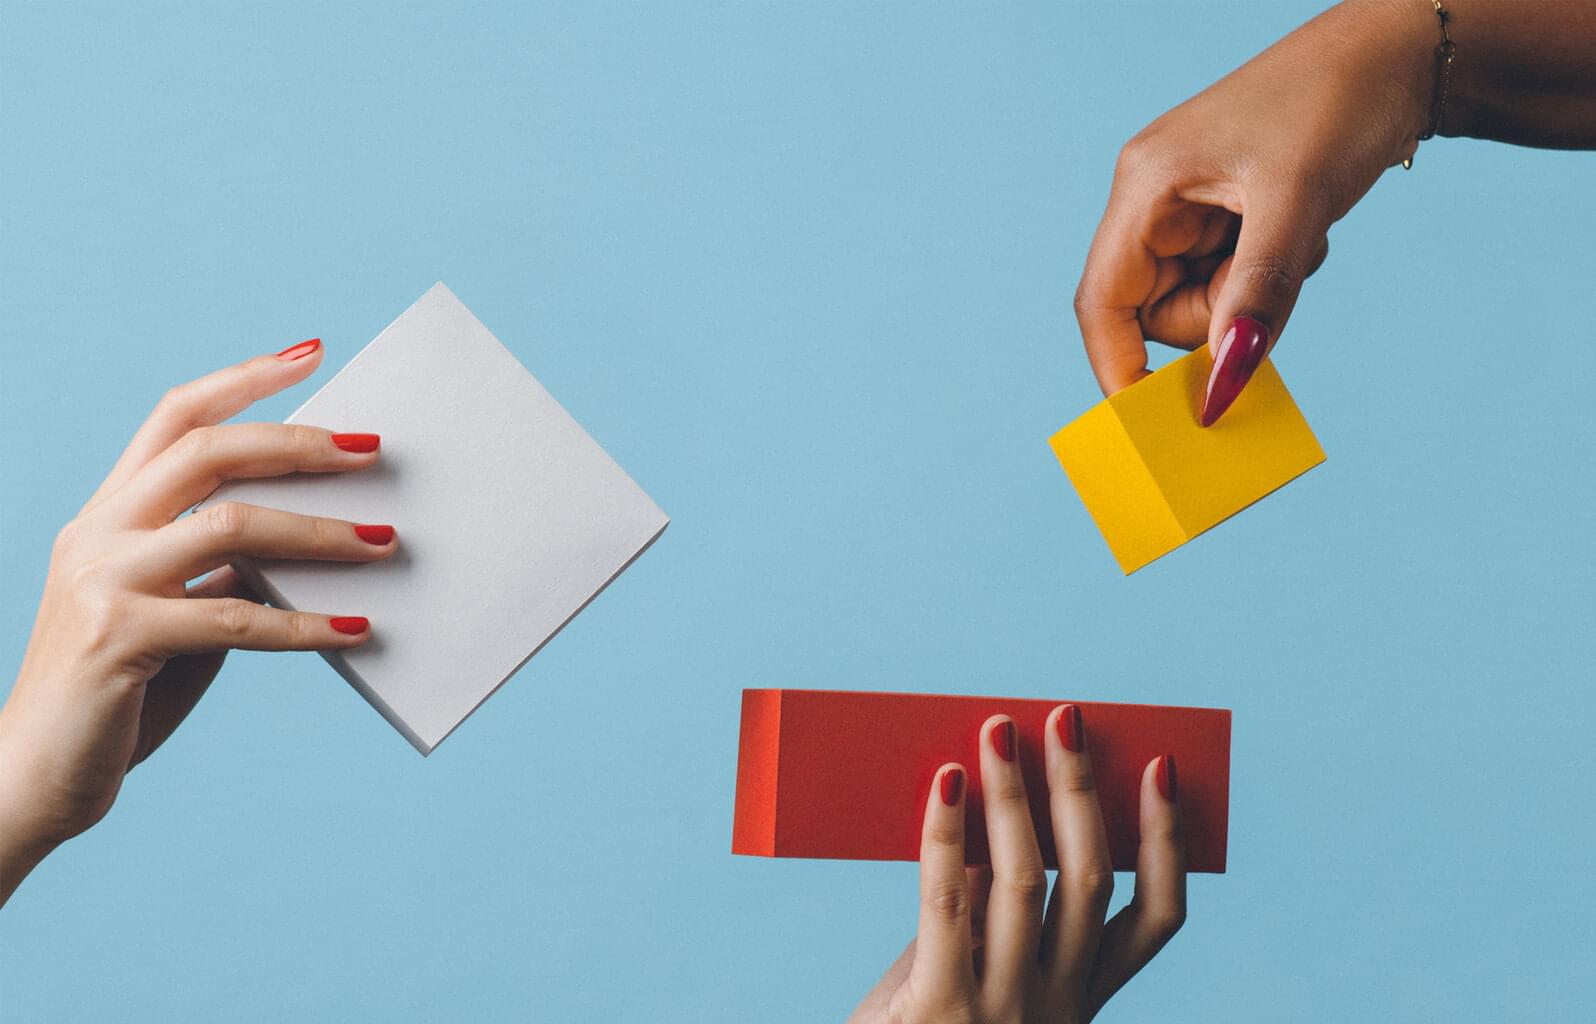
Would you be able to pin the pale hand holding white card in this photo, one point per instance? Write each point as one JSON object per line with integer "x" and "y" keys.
{"x": 510, "y": 517}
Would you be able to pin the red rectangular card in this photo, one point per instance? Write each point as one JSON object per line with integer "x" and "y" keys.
{"x": 827, "y": 773}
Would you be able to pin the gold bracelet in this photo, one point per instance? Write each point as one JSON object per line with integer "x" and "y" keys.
{"x": 1444, "y": 54}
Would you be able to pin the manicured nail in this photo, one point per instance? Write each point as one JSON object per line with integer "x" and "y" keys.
{"x": 952, "y": 786}
{"x": 1003, "y": 740}
{"x": 354, "y": 625}
{"x": 373, "y": 533}
{"x": 1166, "y": 777}
{"x": 299, "y": 351}
{"x": 1069, "y": 727}
{"x": 357, "y": 442}
{"x": 1240, "y": 352}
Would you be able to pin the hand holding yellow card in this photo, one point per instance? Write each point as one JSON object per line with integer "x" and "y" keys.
{"x": 1152, "y": 478}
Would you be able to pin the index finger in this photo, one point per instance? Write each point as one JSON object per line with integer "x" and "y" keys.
{"x": 1120, "y": 273}
{"x": 208, "y": 401}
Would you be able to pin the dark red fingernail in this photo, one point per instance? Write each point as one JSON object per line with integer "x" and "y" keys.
{"x": 299, "y": 351}
{"x": 1240, "y": 352}
{"x": 373, "y": 533}
{"x": 357, "y": 442}
{"x": 1003, "y": 740}
{"x": 1166, "y": 777}
{"x": 351, "y": 624}
{"x": 952, "y": 786}
{"x": 1069, "y": 727}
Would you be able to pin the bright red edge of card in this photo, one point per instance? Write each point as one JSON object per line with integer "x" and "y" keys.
{"x": 845, "y": 775}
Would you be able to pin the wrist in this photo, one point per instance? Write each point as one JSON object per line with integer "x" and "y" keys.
{"x": 23, "y": 843}
{"x": 1398, "y": 40}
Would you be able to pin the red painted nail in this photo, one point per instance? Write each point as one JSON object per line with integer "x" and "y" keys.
{"x": 299, "y": 351}
{"x": 357, "y": 442}
{"x": 1003, "y": 740}
{"x": 373, "y": 533}
{"x": 354, "y": 625}
{"x": 1166, "y": 777}
{"x": 952, "y": 786}
{"x": 1240, "y": 353}
{"x": 1069, "y": 727}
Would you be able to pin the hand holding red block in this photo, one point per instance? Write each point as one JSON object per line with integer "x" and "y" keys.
{"x": 827, "y": 773}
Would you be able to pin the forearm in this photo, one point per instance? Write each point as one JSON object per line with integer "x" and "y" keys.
{"x": 1525, "y": 71}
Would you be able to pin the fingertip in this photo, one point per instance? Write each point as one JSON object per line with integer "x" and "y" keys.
{"x": 353, "y": 629}
{"x": 300, "y": 352}
{"x": 951, "y": 784}
{"x": 1065, "y": 727}
{"x": 1002, "y": 737}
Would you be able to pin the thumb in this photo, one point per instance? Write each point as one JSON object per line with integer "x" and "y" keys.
{"x": 1277, "y": 249}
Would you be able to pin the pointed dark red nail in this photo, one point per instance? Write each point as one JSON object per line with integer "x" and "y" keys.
{"x": 952, "y": 786}
{"x": 1240, "y": 352}
{"x": 374, "y": 533}
{"x": 299, "y": 351}
{"x": 1069, "y": 727}
{"x": 1003, "y": 740}
{"x": 357, "y": 442}
{"x": 354, "y": 625}
{"x": 1166, "y": 777}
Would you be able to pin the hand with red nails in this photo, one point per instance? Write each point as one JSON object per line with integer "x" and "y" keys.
{"x": 988, "y": 952}
{"x": 127, "y": 637}
{"x": 1220, "y": 208}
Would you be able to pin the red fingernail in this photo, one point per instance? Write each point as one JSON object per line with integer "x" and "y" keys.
{"x": 952, "y": 786}
{"x": 357, "y": 442}
{"x": 1069, "y": 727}
{"x": 373, "y": 533}
{"x": 299, "y": 351}
{"x": 1003, "y": 740}
{"x": 1166, "y": 777}
{"x": 1240, "y": 352}
{"x": 351, "y": 624}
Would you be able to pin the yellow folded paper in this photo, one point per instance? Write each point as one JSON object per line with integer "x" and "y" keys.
{"x": 1152, "y": 478}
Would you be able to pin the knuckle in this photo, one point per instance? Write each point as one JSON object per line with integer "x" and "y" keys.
{"x": 1139, "y": 156}
{"x": 234, "y": 617}
{"x": 947, "y": 835}
{"x": 1165, "y": 921}
{"x": 228, "y": 522}
{"x": 328, "y": 534}
{"x": 300, "y": 629}
{"x": 1273, "y": 273}
{"x": 1093, "y": 885}
{"x": 1028, "y": 885}
{"x": 1007, "y": 791}
{"x": 68, "y": 539}
{"x": 199, "y": 443}
{"x": 176, "y": 401}
{"x": 308, "y": 441}
{"x": 949, "y": 901}
{"x": 1076, "y": 778}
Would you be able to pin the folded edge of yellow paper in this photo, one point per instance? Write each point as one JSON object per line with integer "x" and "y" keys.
{"x": 1153, "y": 478}
{"x": 1117, "y": 489}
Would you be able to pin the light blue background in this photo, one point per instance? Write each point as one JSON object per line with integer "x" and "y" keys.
{"x": 806, "y": 272}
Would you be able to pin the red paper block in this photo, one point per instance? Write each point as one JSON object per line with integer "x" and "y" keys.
{"x": 826, "y": 773}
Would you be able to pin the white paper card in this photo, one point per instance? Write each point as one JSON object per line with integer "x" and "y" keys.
{"x": 510, "y": 517}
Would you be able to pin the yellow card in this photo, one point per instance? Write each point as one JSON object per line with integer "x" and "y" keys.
{"x": 1152, "y": 478}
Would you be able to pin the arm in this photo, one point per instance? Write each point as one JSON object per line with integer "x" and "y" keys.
{"x": 1525, "y": 72}
{"x": 1221, "y": 208}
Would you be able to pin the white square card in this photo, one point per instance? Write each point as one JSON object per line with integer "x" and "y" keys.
{"x": 510, "y": 517}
